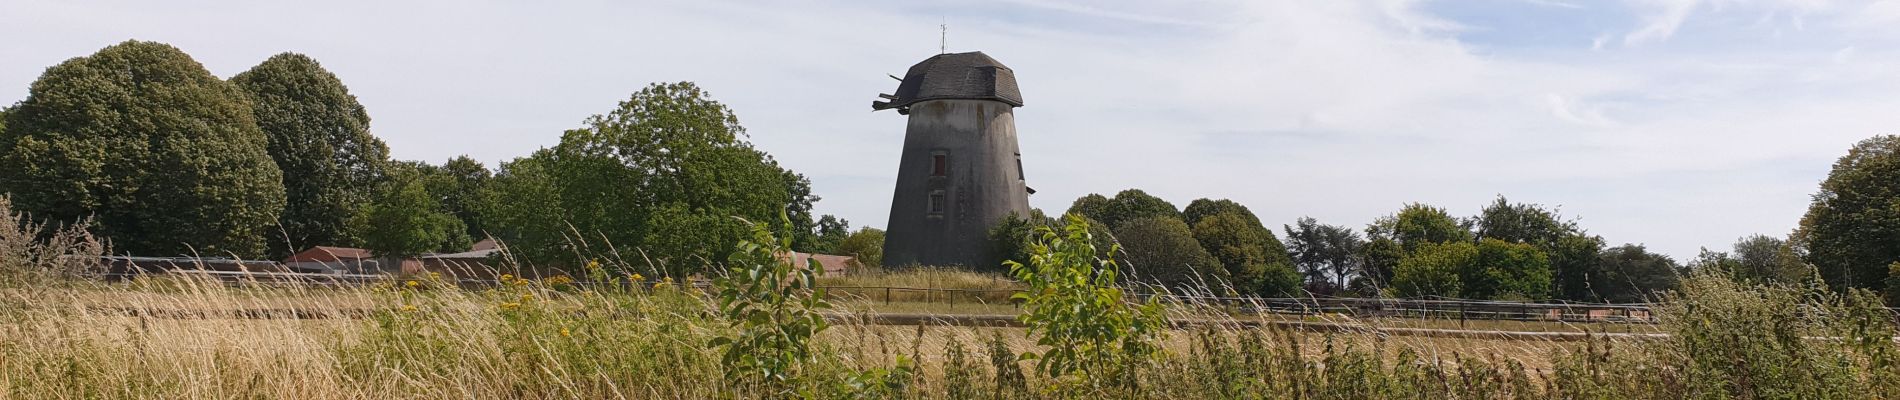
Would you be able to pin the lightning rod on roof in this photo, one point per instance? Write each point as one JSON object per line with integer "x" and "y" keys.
{"x": 943, "y": 38}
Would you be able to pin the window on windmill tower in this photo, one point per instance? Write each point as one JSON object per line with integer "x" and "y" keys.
{"x": 938, "y": 164}
{"x": 936, "y": 202}
{"x": 1019, "y": 168}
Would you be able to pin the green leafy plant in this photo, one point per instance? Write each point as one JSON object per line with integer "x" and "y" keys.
{"x": 1095, "y": 336}
{"x": 773, "y": 310}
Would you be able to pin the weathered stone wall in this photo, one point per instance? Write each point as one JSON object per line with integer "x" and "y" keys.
{"x": 981, "y": 184}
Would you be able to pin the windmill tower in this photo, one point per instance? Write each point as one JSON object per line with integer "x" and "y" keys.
{"x": 961, "y": 171}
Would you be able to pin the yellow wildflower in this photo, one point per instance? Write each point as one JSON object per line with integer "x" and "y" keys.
{"x": 413, "y": 284}
{"x": 507, "y": 277}
{"x": 636, "y": 277}
{"x": 409, "y": 307}
{"x": 592, "y": 264}
{"x": 527, "y": 298}
{"x": 510, "y": 306}
{"x": 564, "y": 332}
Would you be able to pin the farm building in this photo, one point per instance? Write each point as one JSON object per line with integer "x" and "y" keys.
{"x": 334, "y": 260}
{"x": 834, "y": 265}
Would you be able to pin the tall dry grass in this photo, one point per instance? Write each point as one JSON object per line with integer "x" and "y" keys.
{"x": 63, "y": 335}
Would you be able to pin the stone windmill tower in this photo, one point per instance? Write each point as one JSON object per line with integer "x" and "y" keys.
{"x": 961, "y": 171}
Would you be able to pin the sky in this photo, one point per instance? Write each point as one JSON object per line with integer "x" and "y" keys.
{"x": 1676, "y": 124}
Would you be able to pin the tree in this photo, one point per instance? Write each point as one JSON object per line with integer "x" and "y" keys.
{"x": 1010, "y": 240}
{"x": 1162, "y": 250}
{"x": 166, "y": 158}
{"x": 1379, "y": 258}
{"x": 867, "y": 244}
{"x": 642, "y": 177}
{"x": 1202, "y": 208}
{"x": 319, "y": 136}
{"x": 1256, "y": 260}
{"x": 522, "y": 206}
{"x": 1129, "y": 205}
{"x": 1417, "y": 224}
{"x": 1433, "y": 270}
{"x": 830, "y": 231}
{"x": 806, "y": 232}
{"x": 1327, "y": 254}
{"x": 405, "y": 221}
{"x": 1631, "y": 273}
{"x": 1852, "y": 228}
{"x": 1573, "y": 260}
{"x": 1757, "y": 259}
{"x": 1572, "y": 253}
{"x": 459, "y": 185}
{"x": 1506, "y": 270}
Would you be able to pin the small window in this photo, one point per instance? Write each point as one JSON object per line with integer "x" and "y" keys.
{"x": 937, "y": 165}
{"x": 1019, "y": 167}
{"x": 936, "y": 202}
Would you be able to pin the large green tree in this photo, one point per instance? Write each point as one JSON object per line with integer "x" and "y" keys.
{"x": 867, "y": 244}
{"x": 522, "y": 205}
{"x": 165, "y": 157}
{"x": 1434, "y": 269}
{"x": 1572, "y": 252}
{"x": 1253, "y": 255}
{"x": 1506, "y": 270}
{"x": 318, "y": 135}
{"x": 405, "y": 220}
{"x": 656, "y": 181}
{"x": 1852, "y": 229}
{"x": 1328, "y": 255}
{"x": 1162, "y": 250}
{"x": 1630, "y": 273}
{"x": 1128, "y": 205}
{"x": 1418, "y": 224}
{"x": 459, "y": 184}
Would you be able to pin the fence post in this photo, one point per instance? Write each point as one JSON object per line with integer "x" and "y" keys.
{"x": 1461, "y": 314}
{"x": 887, "y": 295}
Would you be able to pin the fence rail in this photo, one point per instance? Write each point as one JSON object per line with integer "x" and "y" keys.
{"x": 1434, "y": 308}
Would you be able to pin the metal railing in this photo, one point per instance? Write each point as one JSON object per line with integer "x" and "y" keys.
{"x": 1430, "y": 308}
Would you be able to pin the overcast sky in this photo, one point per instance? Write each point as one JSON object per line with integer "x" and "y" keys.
{"x": 1672, "y": 123}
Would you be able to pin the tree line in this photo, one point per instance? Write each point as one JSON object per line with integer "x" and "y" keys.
{"x": 1849, "y": 239}
{"x": 144, "y": 146}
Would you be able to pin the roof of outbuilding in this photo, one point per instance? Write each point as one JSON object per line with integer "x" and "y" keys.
{"x": 969, "y": 76}
{"x": 327, "y": 253}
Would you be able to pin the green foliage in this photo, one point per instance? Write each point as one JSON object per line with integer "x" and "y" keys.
{"x": 1096, "y": 339}
{"x": 1573, "y": 261}
{"x": 1852, "y": 229}
{"x": 1766, "y": 259}
{"x": 1434, "y": 270}
{"x": 867, "y": 244}
{"x": 403, "y": 220}
{"x": 1418, "y": 224}
{"x": 1009, "y": 241}
{"x": 1522, "y": 223}
{"x": 319, "y": 136}
{"x": 831, "y": 231}
{"x": 1631, "y": 274}
{"x": 165, "y": 157}
{"x": 1254, "y": 259}
{"x": 807, "y": 234}
{"x": 1128, "y": 205}
{"x": 522, "y": 205}
{"x": 1505, "y": 270}
{"x": 1323, "y": 251}
{"x": 773, "y": 310}
{"x": 460, "y": 184}
{"x": 641, "y": 177}
{"x": 1162, "y": 250}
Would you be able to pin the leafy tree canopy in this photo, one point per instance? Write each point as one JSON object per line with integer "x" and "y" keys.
{"x": 667, "y": 168}
{"x": 1126, "y": 206}
{"x": 1254, "y": 259}
{"x": 404, "y": 220}
{"x": 1327, "y": 254}
{"x": 1506, "y": 270}
{"x": 319, "y": 136}
{"x": 867, "y": 244}
{"x": 1433, "y": 270}
{"x": 1630, "y": 273}
{"x": 165, "y": 157}
{"x": 1418, "y": 224}
{"x": 1162, "y": 250}
{"x": 1852, "y": 228}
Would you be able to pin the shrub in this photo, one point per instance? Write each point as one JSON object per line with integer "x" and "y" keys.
{"x": 1096, "y": 339}
{"x": 773, "y": 312}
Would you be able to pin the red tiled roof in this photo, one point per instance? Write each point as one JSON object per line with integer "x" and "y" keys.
{"x": 327, "y": 253}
